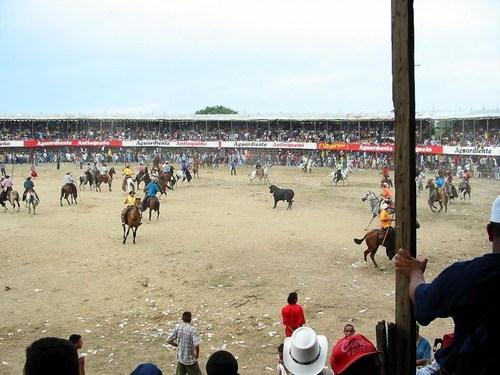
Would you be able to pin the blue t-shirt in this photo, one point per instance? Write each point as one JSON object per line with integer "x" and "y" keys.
{"x": 424, "y": 350}
{"x": 151, "y": 189}
{"x": 440, "y": 182}
{"x": 468, "y": 292}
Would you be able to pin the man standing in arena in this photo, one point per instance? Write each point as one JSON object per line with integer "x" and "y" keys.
{"x": 469, "y": 293}
{"x": 292, "y": 315}
{"x": 187, "y": 341}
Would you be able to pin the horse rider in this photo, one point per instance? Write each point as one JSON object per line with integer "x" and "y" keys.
{"x": 386, "y": 233}
{"x": 440, "y": 181}
{"x": 127, "y": 173}
{"x": 151, "y": 190}
{"x": 141, "y": 167}
{"x": 104, "y": 169}
{"x": 166, "y": 168}
{"x": 129, "y": 204}
{"x": 6, "y": 187}
{"x": 467, "y": 175}
{"x": 386, "y": 172}
{"x": 386, "y": 195}
{"x": 338, "y": 172}
{"x": 69, "y": 180}
{"x": 29, "y": 185}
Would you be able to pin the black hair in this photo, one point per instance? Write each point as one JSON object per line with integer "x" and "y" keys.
{"x": 367, "y": 365}
{"x": 186, "y": 316}
{"x": 292, "y": 298}
{"x": 495, "y": 229}
{"x": 74, "y": 338}
{"x": 348, "y": 325}
{"x": 222, "y": 363}
{"x": 51, "y": 355}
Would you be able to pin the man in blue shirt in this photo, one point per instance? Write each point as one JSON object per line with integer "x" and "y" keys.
{"x": 440, "y": 185}
{"x": 468, "y": 292}
{"x": 151, "y": 190}
{"x": 424, "y": 351}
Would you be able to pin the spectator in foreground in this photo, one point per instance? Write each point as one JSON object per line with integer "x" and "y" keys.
{"x": 349, "y": 330}
{"x": 424, "y": 351}
{"x": 469, "y": 292}
{"x": 51, "y": 355}
{"x": 305, "y": 353}
{"x": 77, "y": 342}
{"x": 292, "y": 315}
{"x": 187, "y": 341}
{"x": 355, "y": 355}
{"x": 282, "y": 370}
{"x": 222, "y": 363}
{"x": 146, "y": 369}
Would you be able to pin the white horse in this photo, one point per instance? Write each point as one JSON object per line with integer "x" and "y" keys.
{"x": 419, "y": 182}
{"x": 306, "y": 165}
{"x": 265, "y": 175}
{"x": 31, "y": 201}
{"x": 375, "y": 203}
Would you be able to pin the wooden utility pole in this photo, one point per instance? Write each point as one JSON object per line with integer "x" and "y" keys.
{"x": 403, "y": 97}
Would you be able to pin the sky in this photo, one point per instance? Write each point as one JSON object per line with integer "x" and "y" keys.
{"x": 261, "y": 56}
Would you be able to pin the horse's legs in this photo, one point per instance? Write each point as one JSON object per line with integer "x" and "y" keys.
{"x": 60, "y": 199}
{"x": 125, "y": 233}
{"x": 373, "y": 217}
{"x": 158, "y": 213}
{"x": 149, "y": 213}
{"x": 372, "y": 256}
{"x": 134, "y": 232}
{"x": 109, "y": 186}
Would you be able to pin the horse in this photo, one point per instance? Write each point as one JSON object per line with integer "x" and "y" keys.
{"x": 68, "y": 190}
{"x": 262, "y": 174}
{"x": 419, "y": 182}
{"x": 31, "y": 201}
{"x": 450, "y": 191}
{"x": 184, "y": 175}
{"x": 12, "y": 197}
{"x": 341, "y": 174}
{"x": 132, "y": 220}
{"x": 374, "y": 201}
{"x": 104, "y": 178}
{"x": 374, "y": 239}
{"x": 142, "y": 177}
{"x": 306, "y": 165}
{"x": 434, "y": 197}
{"x": 168, "y": 179}
{"x": 464, "y": 188}
{"x": 87, "y": 178}
{"x": 153, "y": 204}
{"x": 128, "y": 184}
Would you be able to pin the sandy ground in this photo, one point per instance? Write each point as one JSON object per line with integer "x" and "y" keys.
{"x": 218, "y": 250}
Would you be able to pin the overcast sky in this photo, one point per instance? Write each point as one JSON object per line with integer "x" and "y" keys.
{"x": 259, "y": 56}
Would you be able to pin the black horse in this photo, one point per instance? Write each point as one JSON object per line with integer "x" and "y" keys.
{"x": 87, "y": 178}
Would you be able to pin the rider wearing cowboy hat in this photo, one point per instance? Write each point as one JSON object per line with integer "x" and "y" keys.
{"x": 387, "y": 231}
{"x": 129, "y": 203}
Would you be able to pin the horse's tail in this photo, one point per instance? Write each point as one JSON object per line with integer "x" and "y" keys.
{"x": 359, "y": 241}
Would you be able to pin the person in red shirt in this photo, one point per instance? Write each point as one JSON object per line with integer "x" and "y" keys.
{"x": 292, "y": 315}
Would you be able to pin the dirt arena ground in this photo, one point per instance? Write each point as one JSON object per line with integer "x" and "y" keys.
{"x": 218, "y": 250}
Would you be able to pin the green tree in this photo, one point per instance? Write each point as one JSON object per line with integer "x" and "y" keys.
{"x": 216, "y": 110}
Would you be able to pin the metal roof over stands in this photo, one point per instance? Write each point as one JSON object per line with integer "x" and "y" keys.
{"x": 257, "y": 117}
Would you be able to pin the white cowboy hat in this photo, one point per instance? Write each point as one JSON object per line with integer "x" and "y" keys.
{"x": 384, "y": 205}
{"x": 305, "y": 353}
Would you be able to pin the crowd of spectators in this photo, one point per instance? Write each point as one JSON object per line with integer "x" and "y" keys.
{"x": 375, "y": 133}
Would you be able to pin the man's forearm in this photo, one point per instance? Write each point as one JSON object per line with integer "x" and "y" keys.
{"x": 416, "y": 278}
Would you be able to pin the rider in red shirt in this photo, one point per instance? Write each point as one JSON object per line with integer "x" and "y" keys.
{"x": 292, "y": 315}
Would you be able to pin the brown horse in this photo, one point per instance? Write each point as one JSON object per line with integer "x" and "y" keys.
{"x": 69, "y": 190}
{"x": 104, "y": 178}
{"x": 132, "y": 220}
{"x": 153, "y": 203}
{"x": 374, "y": 239}
{"x": 435, "y": 197}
